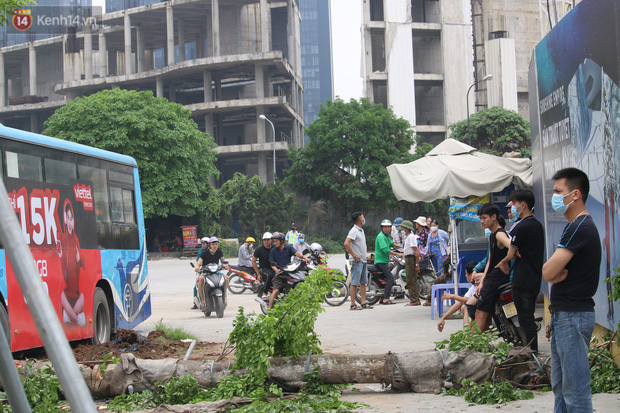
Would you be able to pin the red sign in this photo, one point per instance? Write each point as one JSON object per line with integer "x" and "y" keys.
{"x": 84, "y": 194}
{"x": 22, "y": 19}
{"x": 189, "y": 236}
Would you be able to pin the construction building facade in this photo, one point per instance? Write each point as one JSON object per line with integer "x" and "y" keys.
{"x": 246, "y": 64}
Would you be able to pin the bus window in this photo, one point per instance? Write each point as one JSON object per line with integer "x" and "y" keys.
{"x": 102, "y": 210}
{"x": 125, "y": 177}
{"x": 24, "y": 166}
{"x": 59, "y": 172}
{"x": 124, "y": 218}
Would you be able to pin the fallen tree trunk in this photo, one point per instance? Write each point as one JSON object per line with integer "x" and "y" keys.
{"x": 421, "y": 372}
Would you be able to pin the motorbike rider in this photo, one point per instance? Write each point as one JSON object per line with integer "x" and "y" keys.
{"x": 245, "y": 255}
{"x": 204, "y": 241}
{"x": 301, "y": 245}
{"x": 398, "y": 235}
{"x": 383, "y": 246}
{"x": 263, "y": 268}
{"x": 212, "y": 255}
{"x": 279, "y": 257}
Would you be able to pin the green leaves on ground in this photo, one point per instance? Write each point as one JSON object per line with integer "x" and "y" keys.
{"x": 42, "y": 389}
{"x": 475, "y": 340}
{"x": 491, "y": 392}
{"x": 604, "y": 372}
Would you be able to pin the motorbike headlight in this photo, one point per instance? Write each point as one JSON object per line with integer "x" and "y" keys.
{"x": 222, "y": 281}
{"x": 210, "y": 283}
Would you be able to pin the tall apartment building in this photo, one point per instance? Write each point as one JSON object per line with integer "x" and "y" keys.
{"x": 316, "y": 55}
{"x": 418, "y": 61}
{"x": 247, "y": 64}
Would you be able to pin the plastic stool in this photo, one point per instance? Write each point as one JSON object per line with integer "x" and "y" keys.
{"x": 437, "y": 292}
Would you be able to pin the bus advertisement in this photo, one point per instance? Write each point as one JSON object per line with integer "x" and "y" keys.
{"x": 574, "y": 85}
{"x": 80, "y": 212}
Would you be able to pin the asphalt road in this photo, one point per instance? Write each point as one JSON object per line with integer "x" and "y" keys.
{"x": 393, "y": 328}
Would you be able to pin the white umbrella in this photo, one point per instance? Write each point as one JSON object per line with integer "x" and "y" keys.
{"x": 454, "y": 169}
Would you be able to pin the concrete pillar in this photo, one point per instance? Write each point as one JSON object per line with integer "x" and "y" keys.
{"x": 265, "y": 20}
{"x": 88, "y": 52}
{"x": 181, "y": 35}
{"x": 103, "y": 55}
{"x": 159, "y": 87}
{"x": 259, "y": 80}
{"x": 127, "y": 33}
{"x": 32, "y": 66}
{"x": 140, "y": 50}
{"x": 34, "y": 123}
{"x": 218, "y": 89}
{"x": 207, "y": 79}
{"x": 215, "y": 26}
{"x": 262, "y": 167}
{"x": 262, "y": 127}
{"x": 2, "y": 82}
{"x": 169, "y": 35}
{"x": 209, "y": 124}
{"x": 291, "y": 33}
{"x": 201, "y": 51}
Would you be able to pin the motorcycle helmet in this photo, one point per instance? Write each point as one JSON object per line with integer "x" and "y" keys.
{"x": 316, "y": 247}
{"x": 278, "y": 235}
{"x": 213, "y": 239}
{"x": 204, "y": 239}
{"x": 250, "y": 239}
{"x": 386, "y": 223}
{"x": 398, "y": 221}
{"x": 267, "y": 235}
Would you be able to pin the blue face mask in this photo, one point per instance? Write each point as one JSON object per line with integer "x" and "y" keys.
{"x": 514, "y": 218}
{"x": 515, "y": 213}
{"x": 363, "y": 222}
{"x": 487, "y": 232}
{"x": 557, "y": 202}
{"x": 403, "y": 232}
{"x": 301, "y": 240}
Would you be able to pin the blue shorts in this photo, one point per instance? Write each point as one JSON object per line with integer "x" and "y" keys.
{"x": 359, "y": 275}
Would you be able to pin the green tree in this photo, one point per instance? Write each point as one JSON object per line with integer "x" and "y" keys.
{"x": 250, "y": 207}
{"x": 351, "y": 144}
{"x": 174, "y": 157}
{"x": 496, "y": 130}
{"x": 7, "y": 7}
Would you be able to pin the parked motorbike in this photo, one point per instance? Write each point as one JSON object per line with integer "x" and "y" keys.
{"x": 296, "y": 273}
{"x": 214, "y": 289}
{"x": 340, "y": 291}
{"x": 240, "y": 280}
{"x": 505, "y": 318}
{"x": 376, "y": 282}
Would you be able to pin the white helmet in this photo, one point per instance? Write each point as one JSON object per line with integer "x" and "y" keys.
{"x": 267, "y": 235}
{"x": 316, "y": 247}
{"x": 204, "y": 239}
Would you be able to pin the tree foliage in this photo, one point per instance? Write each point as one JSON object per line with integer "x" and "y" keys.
{"x": 174, "y": 157}
{"x": 351, "y": 144}
{"x": 495, "y": 130}
{"x": 7, "y": 7}
{"x": 250, "y": 207}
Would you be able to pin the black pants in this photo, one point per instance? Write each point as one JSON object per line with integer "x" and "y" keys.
{"x": 389, "y": 280}
{"x": 525, "y": 302}
{"x": 266, "y": 278}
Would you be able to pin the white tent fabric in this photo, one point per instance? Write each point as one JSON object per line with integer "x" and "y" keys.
{"x": 454, "y": 169}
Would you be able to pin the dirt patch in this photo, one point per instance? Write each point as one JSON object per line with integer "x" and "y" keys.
{"x": 157, "y": 345}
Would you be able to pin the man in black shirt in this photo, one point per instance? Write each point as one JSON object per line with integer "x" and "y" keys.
{"x": 493, "y": 277}
{"x": 263, "y": 268}
{"x": 527, "y": 239}
{"x": 573, "y": 269}
{"x": 212, "y": 255}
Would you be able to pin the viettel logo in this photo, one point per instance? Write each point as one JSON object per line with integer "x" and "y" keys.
{"x": 22, "y": 19}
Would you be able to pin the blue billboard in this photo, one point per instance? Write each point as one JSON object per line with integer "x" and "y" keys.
{"x": 575, "y": 120}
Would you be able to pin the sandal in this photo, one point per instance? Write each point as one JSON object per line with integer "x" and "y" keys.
{"x": 427, "y": 304}
{"x": 412, "y": 304}
{"x": 367, "y": 306}
{"x": 355, "y": 307}
{"x": 387, "y": 302}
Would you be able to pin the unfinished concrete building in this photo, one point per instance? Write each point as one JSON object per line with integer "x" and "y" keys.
{"x": 247, "y": 65}
{"x": 418, "y": 61}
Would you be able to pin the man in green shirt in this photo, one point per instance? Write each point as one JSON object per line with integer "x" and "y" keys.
{"x": 383, "y": 250}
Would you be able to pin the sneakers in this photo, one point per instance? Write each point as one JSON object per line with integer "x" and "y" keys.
{"x": 260, "y": 300}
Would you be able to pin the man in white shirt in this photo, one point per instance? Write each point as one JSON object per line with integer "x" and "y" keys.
{"x": 355, "y": 244}
{"x": 412, "y": 255}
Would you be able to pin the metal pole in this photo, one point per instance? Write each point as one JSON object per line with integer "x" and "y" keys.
{"x": 273, "y": 128}
{"x": 43, "y": 313}
{"x": 484, "y": 79}
{"x": 10, "y": 379}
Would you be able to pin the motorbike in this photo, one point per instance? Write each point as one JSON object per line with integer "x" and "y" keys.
{"x": 240, "y": 280}
{"x": 214, "y": 289}
{"x": 296, "y": 273}
{"x": 426, "y": 277}
{"x": 340, "y": 291}
{"x": 376, "y": 281}
{"x": 505, "y": 318}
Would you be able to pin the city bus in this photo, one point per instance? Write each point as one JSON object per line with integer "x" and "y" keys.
{"x": 80, "y": 210}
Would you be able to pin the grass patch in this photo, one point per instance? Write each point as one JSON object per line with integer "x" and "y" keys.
{"x": 176, "y": 334}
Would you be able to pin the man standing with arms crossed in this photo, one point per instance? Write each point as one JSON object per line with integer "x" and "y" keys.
{"x": 573, "y": 269}
{"x": 355, "y": 244}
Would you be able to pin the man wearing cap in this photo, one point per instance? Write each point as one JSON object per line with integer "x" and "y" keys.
{"x": 383, "y": 250}
{"x": 263, "y": 269}
{"x": 422, "y": 227}
{"x": 245, "y": 255}
{"x": 412, "y": 255}
{"x": 397, "y": 232}
{"x": 292, "y": 235}
{"x": 301, "y": 245}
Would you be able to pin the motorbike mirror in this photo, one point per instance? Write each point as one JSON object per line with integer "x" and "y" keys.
{"x": 192, "y": 264}
{"x": 224, "y": 262}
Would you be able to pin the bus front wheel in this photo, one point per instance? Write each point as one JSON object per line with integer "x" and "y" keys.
{"x": 102, "y": 317}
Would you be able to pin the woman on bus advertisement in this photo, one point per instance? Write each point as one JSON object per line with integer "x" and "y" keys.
{"x": 71, "y": 262}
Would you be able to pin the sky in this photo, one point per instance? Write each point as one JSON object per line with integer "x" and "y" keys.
{"x": 346, "y": 44}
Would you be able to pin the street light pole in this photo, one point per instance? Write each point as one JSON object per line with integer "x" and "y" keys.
{"x": 273, "y": 128}
{"x": 484, "y": 79}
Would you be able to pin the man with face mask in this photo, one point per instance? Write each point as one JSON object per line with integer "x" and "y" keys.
{"x": 573, "y": 271}
{"x": 301, "y": 245}
{"x": 526, "y": 249}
